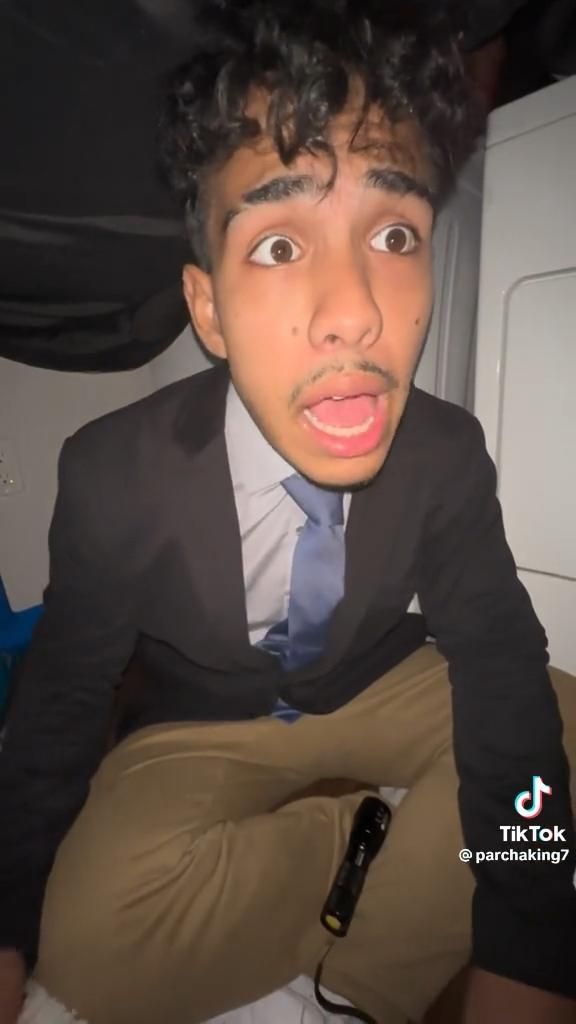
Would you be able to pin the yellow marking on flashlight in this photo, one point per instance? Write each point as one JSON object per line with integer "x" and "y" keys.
{"x": 333, "y": 922}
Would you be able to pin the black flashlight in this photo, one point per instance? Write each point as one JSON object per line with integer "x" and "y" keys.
{"x": 369, "y": 829}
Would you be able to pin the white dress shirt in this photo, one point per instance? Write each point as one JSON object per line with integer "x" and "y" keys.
{"x": 268, "y": 517}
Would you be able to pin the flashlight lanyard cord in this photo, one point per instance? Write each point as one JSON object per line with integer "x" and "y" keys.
{"x": 337, "y": 1008}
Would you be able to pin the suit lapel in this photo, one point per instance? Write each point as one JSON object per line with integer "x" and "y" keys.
{"x": 216, "y": 548}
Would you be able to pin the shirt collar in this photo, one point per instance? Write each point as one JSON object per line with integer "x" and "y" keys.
{"x": 254, "y": 464}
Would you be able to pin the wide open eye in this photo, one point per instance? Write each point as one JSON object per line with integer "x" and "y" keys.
{"x": 397, "y": 239}
{"x": 275, "y": 250}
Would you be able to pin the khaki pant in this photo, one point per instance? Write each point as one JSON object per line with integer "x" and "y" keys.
{"x": 193, "y": 880}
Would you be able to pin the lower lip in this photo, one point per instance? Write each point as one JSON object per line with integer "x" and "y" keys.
{"x": 357, "y": 444}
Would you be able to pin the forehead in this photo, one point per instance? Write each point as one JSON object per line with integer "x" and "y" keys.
{"x": 399, "y": 146}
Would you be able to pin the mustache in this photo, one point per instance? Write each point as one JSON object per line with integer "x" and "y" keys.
{"x": 362, "y": 365}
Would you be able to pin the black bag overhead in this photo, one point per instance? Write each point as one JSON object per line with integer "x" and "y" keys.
{"x": 91, "y": 241}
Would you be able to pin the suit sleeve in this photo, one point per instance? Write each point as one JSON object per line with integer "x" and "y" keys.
{"x": 59, "y": 720}
{"x": 507, "y": 726}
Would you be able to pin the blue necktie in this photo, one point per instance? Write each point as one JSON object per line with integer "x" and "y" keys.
{"x": 317, "y": 579}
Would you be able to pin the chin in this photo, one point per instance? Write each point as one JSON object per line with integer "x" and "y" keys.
{"x": 343, "y": 474}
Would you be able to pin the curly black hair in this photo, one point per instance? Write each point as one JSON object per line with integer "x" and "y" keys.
{"x": 306, "y": 54}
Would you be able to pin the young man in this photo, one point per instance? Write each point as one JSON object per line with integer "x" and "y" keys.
{"x": 251, "y": 538}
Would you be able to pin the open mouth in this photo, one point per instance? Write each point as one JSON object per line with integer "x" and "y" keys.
{"x": 342, "y": 416}
{"x": 347, "y": 418}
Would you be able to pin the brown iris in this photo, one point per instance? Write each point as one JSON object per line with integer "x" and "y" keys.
{"x": 281, "y": 250}
{"x": 397, "y": 240}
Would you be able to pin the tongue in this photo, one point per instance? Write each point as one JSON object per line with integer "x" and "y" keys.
{"x": 344, "y": 412}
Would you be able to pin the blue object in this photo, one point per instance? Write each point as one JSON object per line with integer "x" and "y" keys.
{"x": 16, "y": 629}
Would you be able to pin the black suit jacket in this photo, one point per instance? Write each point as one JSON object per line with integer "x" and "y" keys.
{"x": 146, "y": 564}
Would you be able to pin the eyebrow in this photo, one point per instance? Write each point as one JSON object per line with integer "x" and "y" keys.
{"x": 290, "y": 186}
{"x": 390, "y": 179}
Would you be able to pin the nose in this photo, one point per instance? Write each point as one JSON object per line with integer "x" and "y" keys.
{"x": 345, "y": 313}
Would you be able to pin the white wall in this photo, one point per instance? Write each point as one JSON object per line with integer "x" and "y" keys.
{"x": 184, "y": 357}
{"x": 447, "y": 363}
{"x": 38, "y": 410}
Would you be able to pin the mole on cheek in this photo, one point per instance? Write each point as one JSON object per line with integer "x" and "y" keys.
{"x": 294, "y": 332}
{"x": 416, "y": 322}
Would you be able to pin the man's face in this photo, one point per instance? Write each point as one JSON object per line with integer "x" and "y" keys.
{"x": 320, "y": 299}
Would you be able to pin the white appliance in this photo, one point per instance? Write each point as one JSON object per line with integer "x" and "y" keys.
{"x": 526, "y": 346}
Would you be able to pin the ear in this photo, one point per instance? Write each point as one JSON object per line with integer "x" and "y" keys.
{"x": 199, "y": 296}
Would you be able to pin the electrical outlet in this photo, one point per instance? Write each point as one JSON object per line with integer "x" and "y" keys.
{"x": 10, "y": 475}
